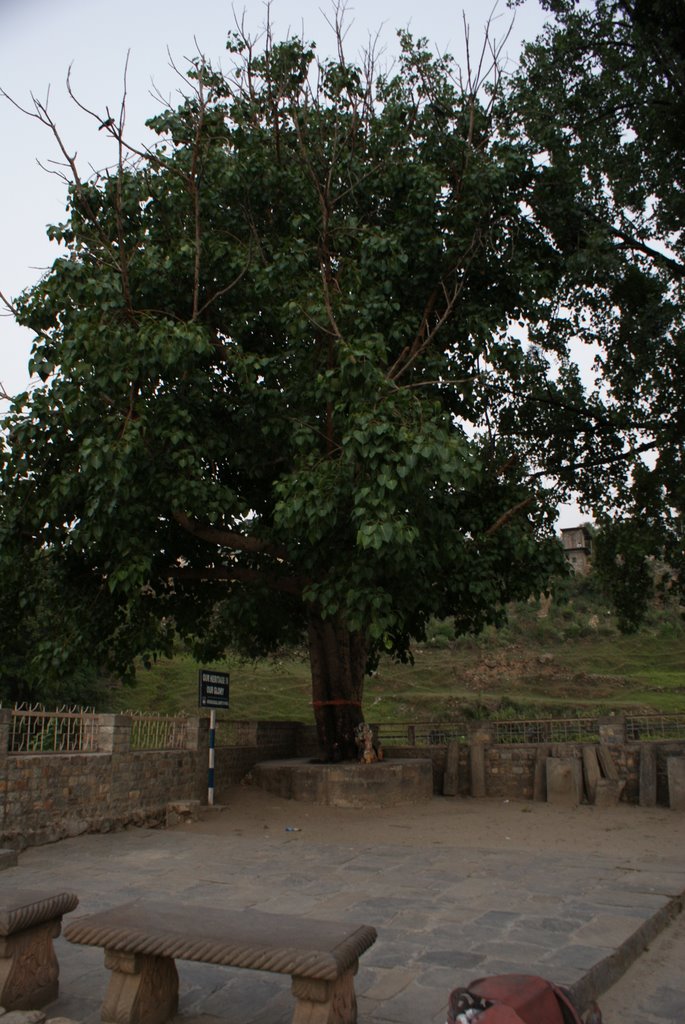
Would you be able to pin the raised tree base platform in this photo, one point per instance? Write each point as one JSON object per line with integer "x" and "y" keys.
{"x": 350, "y": 784}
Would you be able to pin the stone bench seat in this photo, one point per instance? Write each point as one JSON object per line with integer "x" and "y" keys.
{"x": 29, "y": 921}
{"x": 143, "y": 939}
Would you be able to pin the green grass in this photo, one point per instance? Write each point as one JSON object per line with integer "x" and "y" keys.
{"x": 563, "y": 678}
{"x": 272, "y": 689}
{"x": 565, "y": 659}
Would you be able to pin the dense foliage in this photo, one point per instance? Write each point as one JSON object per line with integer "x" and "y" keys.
{"x": 601, "y": 94}
{"x": 281, "y": 391}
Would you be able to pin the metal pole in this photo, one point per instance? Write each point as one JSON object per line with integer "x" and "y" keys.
{"x": 210, "y": 773}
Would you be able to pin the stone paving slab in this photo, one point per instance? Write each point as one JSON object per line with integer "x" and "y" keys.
{"x": 443, "y": 916}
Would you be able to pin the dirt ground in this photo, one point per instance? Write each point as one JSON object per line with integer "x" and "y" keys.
{"x": 634, "y": 835}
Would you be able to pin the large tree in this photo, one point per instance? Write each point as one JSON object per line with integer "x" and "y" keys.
{"x": 281, "y": 395}
{"x": 601, "y": 95}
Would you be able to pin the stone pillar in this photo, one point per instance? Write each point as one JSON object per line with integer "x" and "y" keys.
{"x": 482, "y": 732}
{"x": 591, "y": 771}
{"x": 450, "y": 784}
{"x": 29, "y": 972}
{"x": 142, "y": 989}
{"x": 325, "y": 1002}
{"x": 647, "y": 797}
{"x": 675, "y": 767}
{"x": 5, "y": 726}
{"x": 197, "y": 734}
{"x": 198, "y": 741}
{"x": 477, "y": 760}
{"x": 540, "y": 774}
{"x": 114, "y": 734}
{"x": 612, "y": 729}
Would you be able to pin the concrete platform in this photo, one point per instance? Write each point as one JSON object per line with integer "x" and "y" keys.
{"x": 350, "y": 784}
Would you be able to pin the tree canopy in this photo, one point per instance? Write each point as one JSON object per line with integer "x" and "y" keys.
{"x": 601, "y": 95}
{"x": 286, "y": 387}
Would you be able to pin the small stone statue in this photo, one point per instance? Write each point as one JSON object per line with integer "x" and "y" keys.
{"x": 364, "y": 740}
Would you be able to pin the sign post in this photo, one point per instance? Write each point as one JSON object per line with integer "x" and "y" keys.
{"x": 213, "y": 693}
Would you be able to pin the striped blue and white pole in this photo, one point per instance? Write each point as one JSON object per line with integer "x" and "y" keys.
{"x": 210, "y": 773}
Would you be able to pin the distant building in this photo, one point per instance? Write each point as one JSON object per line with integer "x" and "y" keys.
{"x": 577, "y": 544}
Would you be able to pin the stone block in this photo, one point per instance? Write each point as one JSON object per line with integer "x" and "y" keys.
{"x": 606, "y": 761}
{"x": 608, "y": 792}
{"x": 25, "y": 1017}
{"x": 564, "y": 781}
{"x": 8, "y": 859}
{"x": 590, "y": 771}
{"x": 647, "y": 796}
{"x": 675, "y": 767}
{"x": 182, "y": 811}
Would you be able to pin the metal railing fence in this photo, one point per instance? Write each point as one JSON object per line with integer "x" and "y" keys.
{"x": 655, "y": 727}
{"x": 34, "y": 730}
{"x": 422, "y": 734}
{"x": 157, "y": 732}
{"x": 546, "y": 730}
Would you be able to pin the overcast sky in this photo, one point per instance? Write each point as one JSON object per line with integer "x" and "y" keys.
{"x": 41, "y": 39}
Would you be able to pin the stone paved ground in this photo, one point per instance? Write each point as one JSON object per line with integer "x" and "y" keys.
{"x": 456, "y": 889}
{"x": 652, "y": 991}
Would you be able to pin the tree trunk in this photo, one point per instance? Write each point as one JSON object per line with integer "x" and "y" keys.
{"x": 338, "y": 663}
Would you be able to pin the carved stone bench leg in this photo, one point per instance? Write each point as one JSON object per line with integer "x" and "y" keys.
{"x": 325, "y": 1002}
{"x": 29, "y": 972}
{"x": 142, "y": 989}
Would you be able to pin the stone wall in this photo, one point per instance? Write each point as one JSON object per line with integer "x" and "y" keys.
{"x": 46, "y": 797}
{"x": 252, "y": 742}
{"x": 509, "y": 770}
{"x": 49, "y": 796}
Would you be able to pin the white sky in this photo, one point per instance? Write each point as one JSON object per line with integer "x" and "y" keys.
{"x": 40, "y": 39}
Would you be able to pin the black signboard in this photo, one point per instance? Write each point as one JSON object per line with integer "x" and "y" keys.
{"x": 213, "y": 689}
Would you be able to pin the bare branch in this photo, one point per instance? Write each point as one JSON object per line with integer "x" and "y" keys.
{"x": 602, "y": 460}
{"x": 122, "y": 241}
{"x": 223, "y": 291}
{"x": 14, "y": 312}
{"x": 426, "y": 335}
{"x": 194, "y": 185}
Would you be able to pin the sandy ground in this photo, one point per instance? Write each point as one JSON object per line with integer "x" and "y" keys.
{"x": 633, "y": 835}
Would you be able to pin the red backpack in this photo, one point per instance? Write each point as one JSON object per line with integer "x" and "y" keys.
{"x": 515, "y": 999}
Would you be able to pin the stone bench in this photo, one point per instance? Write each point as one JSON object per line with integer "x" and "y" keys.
{"x": 143, "y": 939}
{"x": 29, "y": 921}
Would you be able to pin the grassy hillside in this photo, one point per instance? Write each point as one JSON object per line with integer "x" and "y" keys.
{"x": 565, "y": 657}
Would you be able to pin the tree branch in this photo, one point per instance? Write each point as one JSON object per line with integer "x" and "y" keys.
{"x": 603, "y": 460}
{"x": 509, "y": 514}
{"x": 229, "y": 538}
{"x": 631, "y": 242}
{"x": 239, "y": 574}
